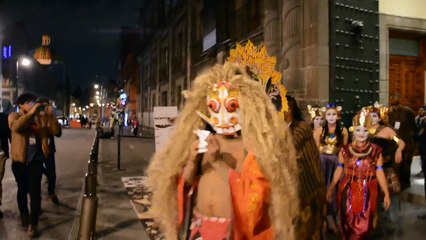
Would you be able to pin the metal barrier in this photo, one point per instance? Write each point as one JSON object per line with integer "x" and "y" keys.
{"x": 87, "y": 229}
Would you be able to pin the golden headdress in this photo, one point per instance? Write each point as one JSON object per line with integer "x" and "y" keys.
{"x": 363, "y": 118}
{"x": 261, "y": 67}
{"x": 314, "y": 111}
{"x": 383, "y": 110}
{"x": 332, "y": 106}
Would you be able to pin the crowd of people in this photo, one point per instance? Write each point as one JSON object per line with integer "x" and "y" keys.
{"x": 242, "y": 162}
{"x": 248, "y": 173}
{"x": 30, "y": 132}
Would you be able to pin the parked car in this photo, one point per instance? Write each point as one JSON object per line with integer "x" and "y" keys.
{"x": 63, "y": 121}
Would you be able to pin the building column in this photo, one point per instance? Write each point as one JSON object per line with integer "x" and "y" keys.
{"x": 271, "y": 32}
{"x": 291, "y": 55}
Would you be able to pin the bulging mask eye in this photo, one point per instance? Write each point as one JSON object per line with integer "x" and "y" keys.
{"x": 231, "y": 104}
{"x": 214, "y": 105}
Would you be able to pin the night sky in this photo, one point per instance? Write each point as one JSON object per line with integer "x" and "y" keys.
{"x": 84, "y": 33}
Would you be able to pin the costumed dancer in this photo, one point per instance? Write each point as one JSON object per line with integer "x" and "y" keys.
{"x": 392, "y": 147}
{"x": 237, "y": 181}
{"x": 312, "y": 184}
{"x": 329, "y": 139}
{"x": 316, "y": 116}
{"x": 362, "y": 165}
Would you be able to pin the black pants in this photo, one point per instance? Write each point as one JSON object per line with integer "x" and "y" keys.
{"x": 423, "y": 159}
{"x": 50, "y": 171}
{"x": 28, "y": 178}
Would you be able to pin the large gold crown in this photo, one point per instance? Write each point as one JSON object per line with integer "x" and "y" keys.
{"x": 261, "y": 67}
{"x": 363, "y": 118}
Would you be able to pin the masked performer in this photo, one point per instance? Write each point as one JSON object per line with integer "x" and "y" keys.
{"x": 239, "y": 182}
{"x": 316, "y": 116}
{"x": 260, "y": 66}
{"x": 362, "y": 165}
{"x": 329, "y": 139}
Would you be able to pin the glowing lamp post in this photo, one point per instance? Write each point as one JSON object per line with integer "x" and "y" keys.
{"x": 23, "y": 62}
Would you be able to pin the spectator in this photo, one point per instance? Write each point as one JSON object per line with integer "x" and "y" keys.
{"x": 135, "y": 125}
{"x": 30, "y": 129}
{"x": 419, "y": 121}
{"x": 49, "y": 163}
{"x": 421, "y": 138}
{"x": 401, "y": 118}
{"x": 112, "y": 125}
{"x": 4, "y": 150}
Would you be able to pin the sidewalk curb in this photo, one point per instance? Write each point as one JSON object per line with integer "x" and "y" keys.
{"x": 76, "y": 222}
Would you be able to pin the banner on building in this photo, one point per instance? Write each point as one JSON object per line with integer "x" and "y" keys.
{"x": 164, "y": 118}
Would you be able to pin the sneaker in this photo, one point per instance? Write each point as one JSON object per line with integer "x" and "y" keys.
{"x": 32, "y": 231}
{"x": 54, "y": 198}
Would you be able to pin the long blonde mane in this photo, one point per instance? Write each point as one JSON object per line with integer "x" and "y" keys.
{"x": 265, "y": 134}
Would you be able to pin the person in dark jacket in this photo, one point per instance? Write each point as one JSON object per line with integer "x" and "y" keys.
{"x": 4, "y": 150}
{"x": 421, "y": 140}
{"x": 402, "y": 119}
{"x": 49, "y": 163}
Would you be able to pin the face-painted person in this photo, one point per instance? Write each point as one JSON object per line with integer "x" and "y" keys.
{"x": 329, "y": 139}
{"x": 362, "y": 164}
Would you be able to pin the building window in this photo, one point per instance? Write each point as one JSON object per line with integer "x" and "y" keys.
{"x": 209, "y": 24}
{"x": 178, "y": 96}
{"x": 404, "y": 47}
{"x": 247, "y": 16}
{"x": 164, "y": 98}
{"x": 153, "y": 102}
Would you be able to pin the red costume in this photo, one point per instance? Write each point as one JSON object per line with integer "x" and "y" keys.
{"x": 358, "y": 190}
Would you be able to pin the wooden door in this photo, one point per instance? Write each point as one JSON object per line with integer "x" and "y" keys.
{"x": 406, "y": 77}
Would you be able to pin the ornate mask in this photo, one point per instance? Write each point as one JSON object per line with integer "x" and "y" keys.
{"x": 223, "y": 108}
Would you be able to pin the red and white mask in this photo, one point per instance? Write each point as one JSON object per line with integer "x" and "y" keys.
{"x": 223, "y": 108}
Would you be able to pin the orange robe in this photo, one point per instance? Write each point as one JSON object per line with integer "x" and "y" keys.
{"x": 250, "y": 193}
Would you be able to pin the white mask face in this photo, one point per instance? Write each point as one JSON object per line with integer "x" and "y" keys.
{"x": 317, "y": 121}
{"x": 331, "y": 116}
{"x": 374, "y": 118}
{"x": 360, "y": 133}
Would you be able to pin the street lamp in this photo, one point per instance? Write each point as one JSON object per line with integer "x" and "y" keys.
{"x": 24, "y": 62}
{"x": 99, "y": 97}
